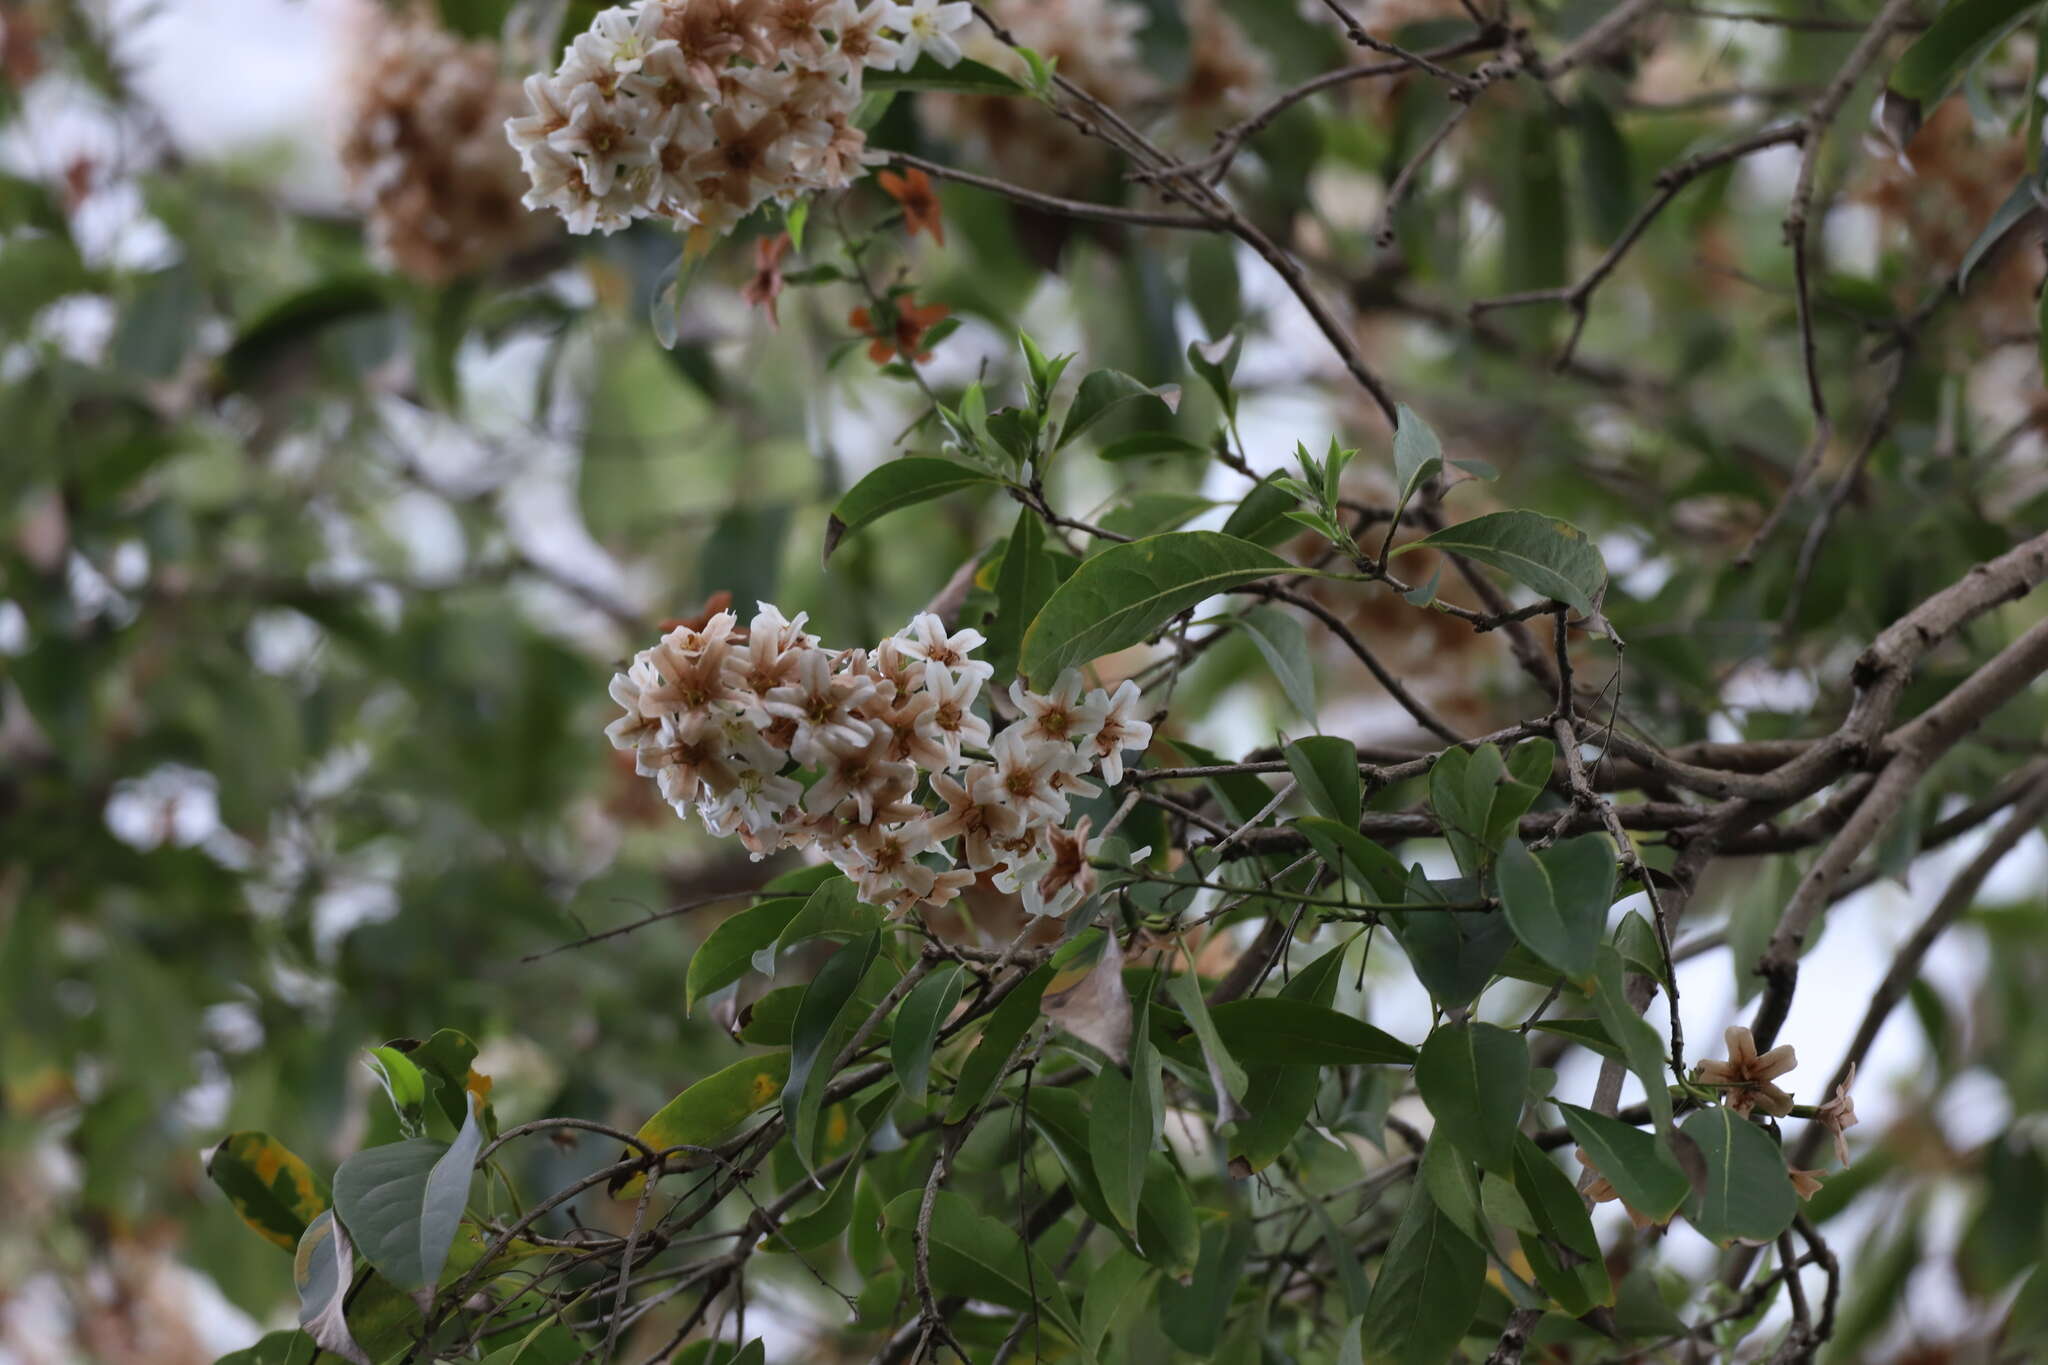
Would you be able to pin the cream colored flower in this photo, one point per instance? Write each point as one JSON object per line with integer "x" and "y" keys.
{"x": 1745, "y": 1078}
{"x": 1839, "y": 1113}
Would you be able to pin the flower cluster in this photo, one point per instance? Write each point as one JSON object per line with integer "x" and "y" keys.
{"x": 877, "y": 758}
{"x": 700, "y": 111}
{"x": 421, "y": 147}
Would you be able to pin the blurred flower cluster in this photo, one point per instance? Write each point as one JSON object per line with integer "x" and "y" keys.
{"x": 702, "y": 110}
{"x": 734, "y": 724}
{"x": 421, "y": 149}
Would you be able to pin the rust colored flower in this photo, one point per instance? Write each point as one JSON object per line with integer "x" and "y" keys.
{"x": 913, "y": 190}
{"x": 897, "y": 329}
{"x": 1746, "y": 1078}
{"x": 1839, "y": 1113}
{"x": 766, "y": 287}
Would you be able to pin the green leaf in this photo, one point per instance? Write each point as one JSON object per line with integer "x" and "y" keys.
{"x": 1110, "y": 1287}
{"x": 1326, "y": 767}
{"x": 275, "y": 1192}
{"x": 1566, "y": 1256}
{"x": 977, "y": 1257}
{"x": 1747, "y": 1195}
{"x": 275, "y": 1348}
{"x": 1557, "y": 901}
{"x": 1462, "y": 803}
{"x": 1605, "y": 164}
{"x": 712, "y": 1107}
{"x": 403, "y": 1085}
{"x": 1356, "y": 857}
{"x": 1279, "y": 1099}
{"x": 729, "y": 950}
{"x": 1284, "y": 644}
{"x": 1454, "y": 952}
{"x": 1473, "y": 1077}
{"x": 1262, "y": 517}
{"x": 1639, "y": 1043}
{"x": 1216, "y": 363}
{"x": 1226, "y": 1075}
{"x": 1123, "y": 1127}
{"x": 918, "y": 1021}
{"x": 833, "y": 910}
{"x": 1428, "y": 1288}
{"x": 402, "y": 1201}
{"x": 323, "y": 1267}
{"x": 895, "y": 485}
{"x": 1192, "y": 1315}
{"x": 983, "y": 1071}
{"x": 448, "y": 1058}
{"x": 290, "y": 325}
{"x": 1024, "y": 581}
{"x": 1146, "y": 445}
{"x": 1645, "y": 1175}
{"x": 1637, "y": 943}
{"x": 1148, "y": 514}
{"x": 1124, "y": 595}
{"x": 1587, "y": 1033}
{"x": 829, "y": 1218}
{"x": 964, "y": 77}
{"x": 1418, "y": 455}
{"x": 824, "y": 1021}
{"x": 1275, "y": 1029}
{"x": 1553, "y": 557}
{"x": 1103, "y": 391}
{"x": 1962, "y": 33}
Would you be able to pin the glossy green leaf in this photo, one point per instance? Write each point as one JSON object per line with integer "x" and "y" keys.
{"x": 1279, "y": 1099}
{"x": 1101, "y": 393}
{"x": 829, "y": 1217}
{"x": 1226, "y": 1075}
{"x": 1747, "y": 1195}
{"x": 1566, "y": 1254}
{"x": 401, "y": 1202}
{"x": 1024, "y": 582}
{"x": 824, "y": 1021}
{"x": 1148, "y": 445}
{"x": 1428, "y": 1288}
{"x": 1124, "y": 595}
{"x": 1275, "y": 1029}
{"x": 1326, "y": 767}
{"x": 728, "y": 951}
{"x": 706, "y": 1111}
{"x": 918, "y": 1021}
{"x": 976, "y": 1256}
{"x": 1454, "y": 952}
{"x": 986, "y": 1067}
{"x": 1553, "y": 557}
{"x": 1587, "y": 1033}
{"x": 1962, "y": 33}
{"x": 403, "y": 1085}
{"x": 1283, "y": 642}
{"x": 1356, "y": 857}
{"x": 896, "y": 485}
{"x": 964, "y": 77}
{"x": 448, "y": 1060}
{"x": 1261, "y": 517}
{"x": 1111, "y": 1288}
{"x": 1418, "y": 455}
{"x": 1123, "y": 1127}
{"x": 833, "y": 910}
{"x": 1557, "y": 900}
{"x": 1639, "y": 1043}
{"x": 1193, "y": 1314}
{"x": 1473, "y": 1078}
{"x": 1645, "y": 1176}
{"x": 275, "y": 1192}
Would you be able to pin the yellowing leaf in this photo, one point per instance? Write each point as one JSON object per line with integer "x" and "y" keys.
{"x": 709, "y": 1109}
{"x": 276, "y": 1193}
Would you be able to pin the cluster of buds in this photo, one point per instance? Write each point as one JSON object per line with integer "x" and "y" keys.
{"x": 699, "y": 111}
{"x": 877, "y": 758}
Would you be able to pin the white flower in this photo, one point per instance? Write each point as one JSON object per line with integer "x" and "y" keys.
{"x": 859, "y": 38}
{"x": 823, "y": 706}
{"x": 1058, "y": 716}
{"x": 1057, "y": 874}
{"x": 623, "y": 38}
{"x": 927, "y": 26}
{"x": 634, "y": 730}
{"x": 1121, "y": 729}
{"x": 550, "y": 106}
{"x": 608, "y": 138}
{"x": 926, "y": 638}
{"x": 1028, "y": 772}
{"x": 953, "y": 715}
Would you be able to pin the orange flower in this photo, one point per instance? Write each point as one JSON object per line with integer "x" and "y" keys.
{"x": 766, "y": 286}
{"x": 899, "y": 330}
{"x": 913, "y": 190}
